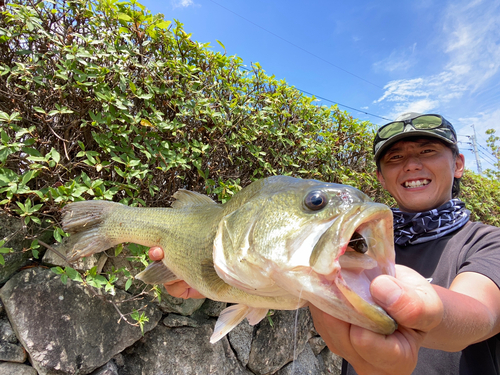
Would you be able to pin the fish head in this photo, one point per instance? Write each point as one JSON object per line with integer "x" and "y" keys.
{"x": 321, "y": 242}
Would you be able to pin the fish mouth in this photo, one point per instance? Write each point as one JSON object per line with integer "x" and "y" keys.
{"x": 364, "y": 249}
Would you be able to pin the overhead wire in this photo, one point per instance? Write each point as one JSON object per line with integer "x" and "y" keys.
{"x": 318, "y": 57}
{"x": 296, "y": 46}
{"x": 487, "y": 156}
{"x": 333, "y": 101}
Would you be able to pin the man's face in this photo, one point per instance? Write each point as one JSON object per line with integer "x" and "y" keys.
{"x": 419, "y": 173}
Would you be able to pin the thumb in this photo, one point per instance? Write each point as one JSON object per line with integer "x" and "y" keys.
{"x": 409, "y": 298}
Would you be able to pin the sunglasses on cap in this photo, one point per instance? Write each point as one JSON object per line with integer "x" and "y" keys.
{"x": 424, "y": 122}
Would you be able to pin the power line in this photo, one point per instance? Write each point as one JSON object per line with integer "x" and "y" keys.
{"x": 486, "y": 149}
{"x": 488, "y": 158}
{"x": 296, "y": 46}
{"x": 343, "y": 105}
{"x": 331, "y": 101}
{"x": 489, "y": 162}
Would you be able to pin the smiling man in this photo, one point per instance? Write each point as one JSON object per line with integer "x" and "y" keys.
{"x": 448, "y": 312}
{"x": 446, "y": 295}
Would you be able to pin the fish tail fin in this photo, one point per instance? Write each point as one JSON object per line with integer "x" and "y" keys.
{"x": 84, "y": 221}
{"x": 232, "y": 316}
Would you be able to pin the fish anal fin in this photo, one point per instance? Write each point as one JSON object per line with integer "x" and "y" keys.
{"x": 156, "y": 273}
{"x": 256, "y": 315}
{"x": 185, "y": 198}
{"x": 232, "y": 316}
{"x": 210, "y": 276}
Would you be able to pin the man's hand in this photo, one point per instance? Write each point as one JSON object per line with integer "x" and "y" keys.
{"x": 411, "y": 301}
{"x": 176, "y": 288}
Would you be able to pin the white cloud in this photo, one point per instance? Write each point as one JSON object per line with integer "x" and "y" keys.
{"x": 182, "y": 3}
{"x": 397, "y": 60}
{"x": 471, "y": 39}
{"x": 470, "y": 46}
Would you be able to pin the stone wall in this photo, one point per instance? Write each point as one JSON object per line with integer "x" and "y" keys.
{"x": 51, "y": 328}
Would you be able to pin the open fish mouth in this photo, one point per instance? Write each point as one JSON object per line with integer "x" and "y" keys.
{"x": 355, "y": 250}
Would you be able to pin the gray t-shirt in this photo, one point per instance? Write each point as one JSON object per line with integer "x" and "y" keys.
{"x": 473, "y": 248}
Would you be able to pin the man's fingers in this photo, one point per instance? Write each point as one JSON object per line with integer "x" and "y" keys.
{"x": 409, "y": 298}
{"x": 181, "y": 289}
{"x": 396, "y": 353}
{"x": 155, "y": 253}
{"x": 333, "y": 331}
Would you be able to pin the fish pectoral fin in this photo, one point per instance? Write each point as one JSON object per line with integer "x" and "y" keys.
{"x": 232, "y": 316}
{"x": 156, "y": 273}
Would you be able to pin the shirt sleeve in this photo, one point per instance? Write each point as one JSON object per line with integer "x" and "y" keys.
{"x": 481, "y": 253}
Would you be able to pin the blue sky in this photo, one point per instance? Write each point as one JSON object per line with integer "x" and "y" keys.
{"x": 383, "y": 57}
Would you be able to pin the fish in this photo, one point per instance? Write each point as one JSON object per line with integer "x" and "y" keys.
{"x": 279, "y": 243}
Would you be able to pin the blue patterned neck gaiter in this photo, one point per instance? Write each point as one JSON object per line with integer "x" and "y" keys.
{"x": 413, "y": 228}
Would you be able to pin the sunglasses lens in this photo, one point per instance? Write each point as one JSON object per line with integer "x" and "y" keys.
{"x": 390, "y": 129}
{"x": 427, "y": 122}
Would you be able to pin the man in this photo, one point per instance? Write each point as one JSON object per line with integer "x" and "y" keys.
{"x": 458, "y": 311}
{"x": 446, "y": 295}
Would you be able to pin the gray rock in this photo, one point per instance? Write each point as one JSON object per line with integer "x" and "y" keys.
{"x": 10, "y": 350}
{"x": 241, "y": 340}
{"x": 54, "y": 259}
{"x": 7, "y": 368}
{"x": 12, "y": 353}
{"x": 274, "y": 346}
{"x": 12, "y": 228}
{"x": 66, "y": 329}
{"x": 174, "y": 320}
{"x": 329, "y": 362}
{"x": 317, "y": 344}
{"x": 162, "y": 351}
{"x": 108, "y": 369}
{"x": 180, "y": 306}
{"x": 118, "y": 359}
{"x": 7, "y": 334}
{"x": 305, "y": 364}
{"x": 212, "y": 308}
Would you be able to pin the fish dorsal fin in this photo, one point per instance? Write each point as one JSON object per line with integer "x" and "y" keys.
{"x": 232, "y": 316}
{"x": 210, "y": 276}
{"x": 185, "y": 198}
{"x": 156, "y": 273}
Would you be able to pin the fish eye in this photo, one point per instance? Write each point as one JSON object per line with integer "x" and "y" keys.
{"x": 316, "y": 200}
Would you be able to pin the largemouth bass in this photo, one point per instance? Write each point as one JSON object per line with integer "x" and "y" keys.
{"x": 279, "y": 243}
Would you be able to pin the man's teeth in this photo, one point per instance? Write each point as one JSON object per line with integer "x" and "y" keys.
{"x": 416, "y": 183}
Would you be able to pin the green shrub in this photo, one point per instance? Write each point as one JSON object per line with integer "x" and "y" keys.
{"x": 103, "y": 100}
{"x": 482, "y": 197}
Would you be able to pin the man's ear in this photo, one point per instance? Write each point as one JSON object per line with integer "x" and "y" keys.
{"x": 459, "y": 166}
{"x": 381, "y": 178}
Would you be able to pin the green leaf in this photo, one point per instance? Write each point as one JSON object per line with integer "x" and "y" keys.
{"x": 124, "y": 17}
{"x": 73, "y": 274}
{"x": 220, "y": 43}
{"x": 163, "y": 24}
{"x": 58, "y": 270}
{"x": 128, "y": 284}
{"x": 118, "y": 249}
{"x": 56, "y": 156}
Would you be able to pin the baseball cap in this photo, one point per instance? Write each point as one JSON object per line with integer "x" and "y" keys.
{"x": 413, "y": 124}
